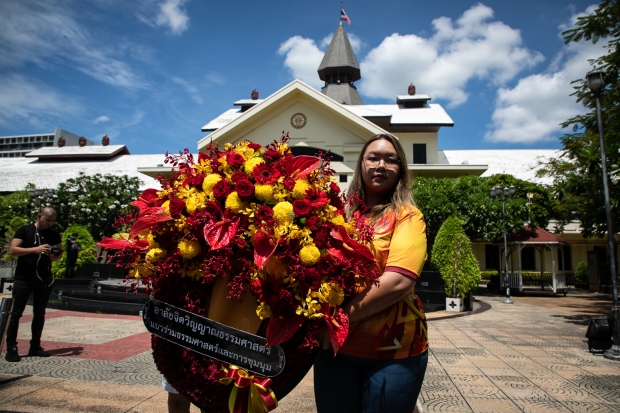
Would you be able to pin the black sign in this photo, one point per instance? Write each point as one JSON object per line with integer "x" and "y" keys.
{"x": 213, "y": 339}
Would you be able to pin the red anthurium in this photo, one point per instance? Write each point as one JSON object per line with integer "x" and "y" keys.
{"x": 146, "y": 199}
{"x": 346, "y": 248}
{"x": 282, "y": 329}
{"x": 337, "y": 326}
{"x": 221, "y": 233}
{"x": 119, "y": 244}
{"x": 147, "y": 219}
{"x": 263, "y": 248}
{"x": 301, "y": 166}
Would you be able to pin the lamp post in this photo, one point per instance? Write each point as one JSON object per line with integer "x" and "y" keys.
{"x": 504, "y": 194}
{"x": 596, "y": 83}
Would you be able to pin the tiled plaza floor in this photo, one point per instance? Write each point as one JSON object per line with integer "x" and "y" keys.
{"x": 528, "y": 357}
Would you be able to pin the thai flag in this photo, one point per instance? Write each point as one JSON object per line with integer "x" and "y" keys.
{"x": 343, "y": 16}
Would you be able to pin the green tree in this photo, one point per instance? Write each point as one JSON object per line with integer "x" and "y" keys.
{"x": 453, "y": 257}
{"x": 88, "y": 254}
{"x": 578, "y": 174}
{"x": 468, "y": 198}
{"x": 95, "y": 201}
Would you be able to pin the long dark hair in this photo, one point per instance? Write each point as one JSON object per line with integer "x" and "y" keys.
{"x": 401, "y": 196}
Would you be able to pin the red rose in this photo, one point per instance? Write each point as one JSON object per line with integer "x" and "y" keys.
{"x": 254, "y": 146}
{"x": 289, "y": 183}
{"x": 302, "y": 208}
{"x": 309, "y": 279}
{"x": 195, "y": 180}
{"x": 264, "y": 213}
{"x": 312, "y": 223}
{"x": 265, "y": 174}
{"x": 239, "y": 175}
{"x": 221, "y": 190}
{"x": 176, "y": 207}
{"x": 326, "y": 265}
{"x": 245, "y": 189}
{"x": 235, "y": 160}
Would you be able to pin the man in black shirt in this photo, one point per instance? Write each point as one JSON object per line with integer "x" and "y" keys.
{"x": 33, "y": 244}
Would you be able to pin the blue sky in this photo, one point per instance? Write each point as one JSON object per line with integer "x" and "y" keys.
{"x": 150, "y": 73}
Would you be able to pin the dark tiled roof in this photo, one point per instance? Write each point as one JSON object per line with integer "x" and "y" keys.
{"x": 343, "y": 94}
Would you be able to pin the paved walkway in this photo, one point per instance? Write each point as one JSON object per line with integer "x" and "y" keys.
{"x": 528, "y": 357}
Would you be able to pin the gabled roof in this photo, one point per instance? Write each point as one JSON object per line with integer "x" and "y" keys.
{"x": 296, "y": 88}
{"x": 538, "y": 237}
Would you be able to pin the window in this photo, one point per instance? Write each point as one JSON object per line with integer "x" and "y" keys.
{"x": 491, "y": 257}
{"x": 343, "y": 178}
{"x": 564, "y": 258}
{"x": 528, "y": 259}
{"x": 419, "y": 153}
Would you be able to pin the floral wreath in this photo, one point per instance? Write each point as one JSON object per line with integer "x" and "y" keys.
{"x": 272, "y": 226}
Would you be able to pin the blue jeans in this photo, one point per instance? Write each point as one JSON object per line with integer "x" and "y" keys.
{"x": 344, "y": 384}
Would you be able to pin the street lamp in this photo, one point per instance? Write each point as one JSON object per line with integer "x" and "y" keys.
{"x": 596, "y": 83}
{"x": 503, "y": 195}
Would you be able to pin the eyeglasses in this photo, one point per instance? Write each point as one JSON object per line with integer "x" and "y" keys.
{"x": 374, "y": 161}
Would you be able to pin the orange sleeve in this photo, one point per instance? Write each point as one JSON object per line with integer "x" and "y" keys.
{"x": 408, "y": 245}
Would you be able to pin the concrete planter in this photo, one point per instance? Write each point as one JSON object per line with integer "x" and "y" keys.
{"x": 455, "y": 305}
{"x": 7, "y": 286}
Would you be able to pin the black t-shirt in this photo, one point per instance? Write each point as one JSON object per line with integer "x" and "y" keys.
{"x": 28, "y": 266}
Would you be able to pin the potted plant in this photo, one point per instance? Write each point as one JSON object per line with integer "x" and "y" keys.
{"x": 453, "y": 257}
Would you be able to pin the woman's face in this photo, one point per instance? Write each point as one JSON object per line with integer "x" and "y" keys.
{"x": 380, "y": 168}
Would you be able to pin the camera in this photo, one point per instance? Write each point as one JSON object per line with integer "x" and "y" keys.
{"x": 55, "y": 251}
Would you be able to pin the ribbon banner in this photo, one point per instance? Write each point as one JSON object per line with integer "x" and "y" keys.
{"x": 213, "y": 339}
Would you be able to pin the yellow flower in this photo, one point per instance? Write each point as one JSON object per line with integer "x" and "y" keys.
{"x": 189, "y": 249}
{"x": 234, "y": 202}
{"x": 301, "y": 186}
{"x": 151, "y": 239}
{"x": 332, "y": 293}
{"x": 251, "y": 163}
{"x": 120, "y": 235}
{"x": 155, "y": 254}
{"x": 203, "y": 167}
{"x": 338, "y": 220}
{"x": 196, "y": 201}
{"x": 283, "y": 212}
{"x": 276, "y": 266}
{"x": 263, "y": 311}
{"x": 243, "y": 149}
{"x": 263, "y": 193}
{"x": 166, "y": 206}
{"x": 309, "y": 255}
{"x": 209, "y": 182}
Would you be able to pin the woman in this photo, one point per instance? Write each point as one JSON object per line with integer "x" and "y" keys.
{"x": 381, "y": 365}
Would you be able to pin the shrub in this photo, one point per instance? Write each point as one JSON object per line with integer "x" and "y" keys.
{"x": 88, "y": 254}
{"x": 581, "y": 272}
{"x": 453, "y": 257}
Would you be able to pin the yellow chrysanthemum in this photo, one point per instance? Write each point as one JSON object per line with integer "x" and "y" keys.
{"x": 283, "y": 212}
{"x": 234, "y": 202}
{"x": 276, "y": 266}
{"x": 196, "y": 201}
{"x": 189, "y": 249}
{"x": 309, "y": 255}
{"x": 263, "y": 311}
{"x": 151, "y": 239}
{"x": 251, "y": 163}
{"x": 338, "y": 220}
{"x": 203, "y": 167}
{"x": 155, "y": 254}
{"x": 166, "y": 206}
{"x": 263, "y": 193}
{"x": 301, "y": 186}
{"x": 209, "y": 182}
{"x": 332, "y": 293}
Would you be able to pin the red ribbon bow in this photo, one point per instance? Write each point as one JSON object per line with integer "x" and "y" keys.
{"x": 261, "y": 398}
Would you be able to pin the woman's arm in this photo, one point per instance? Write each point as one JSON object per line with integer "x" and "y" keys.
{"x": 392, "y": 287}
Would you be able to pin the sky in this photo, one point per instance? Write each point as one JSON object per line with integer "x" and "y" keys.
{"x": 151, "y": 73}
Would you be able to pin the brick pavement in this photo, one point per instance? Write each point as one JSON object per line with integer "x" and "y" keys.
{"x": 530, "y": 356}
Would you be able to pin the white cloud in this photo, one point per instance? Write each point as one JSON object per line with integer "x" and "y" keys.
{"x": 533, "y": 110}
{"x": 473, "y": 47}
{"x": 189, "y": 88}
{"x": 26, "y": 100}
{"x": 173, "y": 14}
{"x": 102, "y": 118}
{"x": 303, "y": 58}
{"x": 49, "y": 34}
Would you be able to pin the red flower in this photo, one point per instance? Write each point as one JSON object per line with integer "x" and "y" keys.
{"x": 327, "y": 265}
{"x": 235, "y": 160}
{"x": 321, "y": 237}
{"x": 334, "y": 188}
{"x": 221, "y": 190}
{"x": 195, "y": 180}
{"x": 254, "y": 146}
{"x": 289, "y": 183}
{"x": 268, "y": 290}
{"x": 309, "y": 279}
{"x": 272, "y": 155}
{"x": 202, "y": 156}
{"x": 317, "y": 197}
{"x": 239, "y": 175}
{"x": 149, "y": 194}
{"x": 176, "y": 207}
{"x": 264, "y": 213}
{"x": 245, "y": 189}
{"x": 265, "y": 174}
{"x": 302, "y": 208}
{"x": 312, "y": 223}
